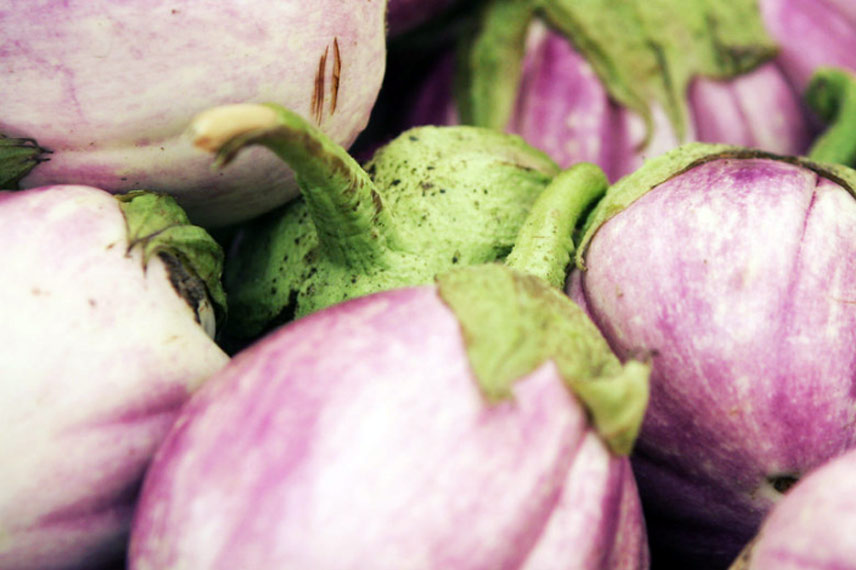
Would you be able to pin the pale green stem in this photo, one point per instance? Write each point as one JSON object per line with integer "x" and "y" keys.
{"x": 544, "y": 245}
{"x": 352, "y": 225}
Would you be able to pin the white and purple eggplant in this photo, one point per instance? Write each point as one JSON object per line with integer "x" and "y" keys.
{"x": 433, "y": 198}
{"x": 479, "y": 423}
{"x": 616, "y": 83}
{"x": 812, "y": 527}
{"x": 109, "y": 307}
{"x": 108, "y": 89}
{"x": 734, "y": 270}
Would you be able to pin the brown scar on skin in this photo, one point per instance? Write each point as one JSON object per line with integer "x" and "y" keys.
{"x": 318, "y": 95}
{"x": 337, "y": 73}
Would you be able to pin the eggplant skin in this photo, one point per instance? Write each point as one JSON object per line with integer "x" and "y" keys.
{"x": 734, "y": 275}
{"x": 381, "y": 451}
{"x": 110, "y": 87}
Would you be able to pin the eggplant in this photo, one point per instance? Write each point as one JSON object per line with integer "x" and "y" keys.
{"x": 733, "y": 269}
{"x": 109, "y": 88}
{"x": 109, "y": 308}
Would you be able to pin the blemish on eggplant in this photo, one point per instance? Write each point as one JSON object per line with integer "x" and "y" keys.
{"x": 318, "y": 94}
{"x": 337, "y": 72}
{"x": 783, "y": 481}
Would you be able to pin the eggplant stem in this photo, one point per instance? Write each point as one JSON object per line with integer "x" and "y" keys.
{"x": 544, "y": 245}
{"x": 352, "y": 225}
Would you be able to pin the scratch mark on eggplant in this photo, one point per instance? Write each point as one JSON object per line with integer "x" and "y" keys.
{"x": 318, "y": 95}
{"x": 337, "y": 73}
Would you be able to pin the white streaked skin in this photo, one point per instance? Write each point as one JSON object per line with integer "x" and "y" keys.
{"x": 98, "y": 354}
{"x": 110, "y": 87}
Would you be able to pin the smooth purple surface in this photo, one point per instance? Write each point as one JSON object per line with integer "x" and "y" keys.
{"x": 739, "y": 278}
{"x": 813, "y": 526}
{"x": 563, "y": 109}
{"x": 110, "y": 87}
{"x": 97, "y": 356}
{"x": 357, "y": 438}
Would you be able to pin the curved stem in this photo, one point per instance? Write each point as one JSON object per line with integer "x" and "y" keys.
{"x": 832, "y": 95}
{"x": 352, "y": 225}
{"x": 544, "y": 244}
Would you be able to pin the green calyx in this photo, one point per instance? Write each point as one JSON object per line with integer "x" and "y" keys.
{"x": 433, "y": 198}
{"x": 644, "y": 51}
{"x": 18, "y": 156}
{"x": 675, "y": 162}
{"x": 159, "y": 226}
{"x": 512, "y": 323}
{"x": 514, "y": 317}
{"x": 831, "y": 93}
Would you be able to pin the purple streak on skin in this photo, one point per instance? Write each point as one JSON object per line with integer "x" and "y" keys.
{"x": 753, "y": 273}
{"x": 756, "y": 110}
{"x": 382, "y": 450}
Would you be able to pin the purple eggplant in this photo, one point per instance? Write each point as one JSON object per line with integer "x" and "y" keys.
{"x": 734, "y": 270}
{"x": 109, "y": 88}
{"x": 108, "y": 310}
{"x": 478, "y": 423}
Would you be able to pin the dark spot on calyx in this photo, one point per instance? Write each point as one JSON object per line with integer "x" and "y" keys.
{"x": 782, "y": 482}
{"x": 188, "y": 286}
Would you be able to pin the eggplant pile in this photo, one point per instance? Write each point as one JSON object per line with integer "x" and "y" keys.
{"x": 420, "y": 285}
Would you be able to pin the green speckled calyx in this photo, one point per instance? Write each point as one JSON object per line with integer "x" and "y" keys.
{"x": 660, "y": 169}
{"x": 645, "y": 52}
{"x": 433, "y": 198}
{"x": 832, "y": 95}
{"x": 17, "y": 158}
{"x": 158, "y": 225}
{"x": 513, "y": 319}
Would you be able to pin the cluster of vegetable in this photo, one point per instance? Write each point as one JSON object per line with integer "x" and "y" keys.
{"x": 580, "y": 295}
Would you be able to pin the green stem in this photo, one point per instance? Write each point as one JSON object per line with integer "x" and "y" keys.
{"x": 352, "y": 225}
{"x": 491, "y": 62}
{"x": 544, "y": 246}
{"x": 832, "y": 95}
